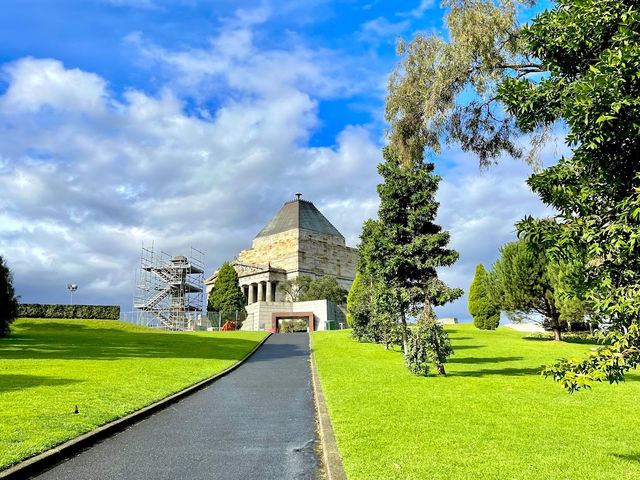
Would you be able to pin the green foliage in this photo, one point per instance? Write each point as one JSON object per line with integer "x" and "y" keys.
{"x": 428, "y": 343}
{"x": 445, "y": 88}
{"x": 8, "y": 300}
{"x": 401, "y": 251}
{"x": 108, "y": 368}
{"x": 305, "y": 288}
{"x": 324, "y": 288}
{"x": 226, "y": 295}
{"x": 525, "y": 282}
{"x": 486, "y": 315}
{"x": 592, "y": 51}
{"x": 90, "y": 312}
{"x": 359, "y": 305}
{"x": 293, "y": 288}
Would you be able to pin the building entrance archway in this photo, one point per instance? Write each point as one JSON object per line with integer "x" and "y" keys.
{"x": 276, "y": 317}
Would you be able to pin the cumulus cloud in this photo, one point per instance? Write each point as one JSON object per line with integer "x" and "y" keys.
{"x": 88, "y": 173}
{"x": 480, "y": 209}
{"x": 92, "y": 174}
{"x": 232, "y": 60}
{"x": 35, "y": 84}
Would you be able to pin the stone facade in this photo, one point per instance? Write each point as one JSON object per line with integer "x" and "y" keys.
{"x": 298, "y": 240}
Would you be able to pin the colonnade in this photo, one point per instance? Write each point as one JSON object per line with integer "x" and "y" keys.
{"x": 264, "y": 291}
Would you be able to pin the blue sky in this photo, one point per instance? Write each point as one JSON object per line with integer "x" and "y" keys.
{"x": 189, "y": 123}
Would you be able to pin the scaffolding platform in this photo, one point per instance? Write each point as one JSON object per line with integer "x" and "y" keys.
{"x": 169, "y": 294}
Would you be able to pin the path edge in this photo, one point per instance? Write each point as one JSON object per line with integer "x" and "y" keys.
{"x": 42, "y": 461}
{"x": 330, "y": 452}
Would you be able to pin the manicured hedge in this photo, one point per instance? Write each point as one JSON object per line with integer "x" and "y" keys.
{"x": 43, "y": 310}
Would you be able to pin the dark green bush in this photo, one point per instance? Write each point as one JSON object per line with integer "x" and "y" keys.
{"x": 486, "y": 315}
{"x": 8, "y": 300}
{"x": 427, "y": 344}
{"x": 41, "y": 310}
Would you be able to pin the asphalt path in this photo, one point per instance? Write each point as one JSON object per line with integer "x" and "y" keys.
{"x": 258, "y": 422}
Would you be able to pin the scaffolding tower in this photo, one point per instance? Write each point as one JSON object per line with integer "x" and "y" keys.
{"x": 169, "y": 293}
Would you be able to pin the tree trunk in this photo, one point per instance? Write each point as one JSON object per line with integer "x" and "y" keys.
{"x": 591, "y": 329}
{"x": 555, "y": 324}
{"x": 404, "y": 332}
{"x": 436, "y": 348}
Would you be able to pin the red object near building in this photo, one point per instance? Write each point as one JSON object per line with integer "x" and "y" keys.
{"x": 228, "y": 326}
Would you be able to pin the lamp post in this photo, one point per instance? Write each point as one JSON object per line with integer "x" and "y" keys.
{"x": 72, "y": 288}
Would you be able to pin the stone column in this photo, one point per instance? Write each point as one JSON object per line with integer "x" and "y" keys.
{"x": 261, "y": 291}
{"x": 275, "y": 291}
{"x": 245, "y": 292}
{"x": 269, "y": 292}
{"x": 251, "y": 297}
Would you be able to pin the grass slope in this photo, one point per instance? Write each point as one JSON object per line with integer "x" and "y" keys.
{"x": 492, "y": 417}
{"x": 107, "y": 368}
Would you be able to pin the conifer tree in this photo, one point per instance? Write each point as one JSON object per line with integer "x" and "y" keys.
{"x": 486, "y": 315}
{"x": 409, "y": 247}
{"x": 8, "y": 301}
{"x": 226, "y": 295}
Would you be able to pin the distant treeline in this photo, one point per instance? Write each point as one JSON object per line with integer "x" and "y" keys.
{"x": 43, "y": 310}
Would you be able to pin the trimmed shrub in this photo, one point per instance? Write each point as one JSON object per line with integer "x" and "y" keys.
{"x": 486, "y": 316}
{"x": 42, "y": 310}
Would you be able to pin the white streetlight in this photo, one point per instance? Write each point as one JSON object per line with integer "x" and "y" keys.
{"x": 72, "y": 288}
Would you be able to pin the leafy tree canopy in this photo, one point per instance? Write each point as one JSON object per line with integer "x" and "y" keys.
{"x": 305, "y": 288}
{"x": 484, "y": 86}
{"x": 293, "y": 288}
{"x": 447, "y": 89}
{"x": 324, "y": 288}
{"x": 592, "y": 50}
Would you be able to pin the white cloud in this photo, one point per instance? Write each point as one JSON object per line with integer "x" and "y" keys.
{"x": 480, "y": 210}
{"x": 34, "y": 84}
{"x": 86, "y": 190}
{"x": 382, "y": 27}
{"x": 420, "y": 10}
{"x": 88, "y": 174}
{"x": 233, "y": 60}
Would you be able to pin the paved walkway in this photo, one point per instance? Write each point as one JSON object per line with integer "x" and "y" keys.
{"x": 256, "y": 423}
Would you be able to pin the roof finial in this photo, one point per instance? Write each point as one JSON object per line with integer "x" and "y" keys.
{"x": 298, "y": 195}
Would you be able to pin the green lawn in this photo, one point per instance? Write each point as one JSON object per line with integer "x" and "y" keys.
{"x": 107, "y": 368}
{"x": 492, "y": 417}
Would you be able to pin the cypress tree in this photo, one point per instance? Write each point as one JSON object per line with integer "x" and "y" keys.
{"x": 226, "y": 295}
{"x": 486, "y": 315}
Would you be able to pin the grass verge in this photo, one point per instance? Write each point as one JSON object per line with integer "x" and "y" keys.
{"x": 107, "y": 368}
{"x": 492, "y": 417}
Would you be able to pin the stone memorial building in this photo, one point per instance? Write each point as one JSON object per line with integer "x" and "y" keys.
{"x": 298, "y": 240}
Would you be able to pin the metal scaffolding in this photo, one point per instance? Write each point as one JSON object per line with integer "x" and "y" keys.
{"x": 169, "y": 293}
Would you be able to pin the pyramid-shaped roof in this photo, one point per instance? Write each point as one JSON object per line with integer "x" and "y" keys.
{"x": 299, "y": 214}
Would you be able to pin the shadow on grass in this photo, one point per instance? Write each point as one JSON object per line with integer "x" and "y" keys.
{"x": 10, "y": 383}
{"x": 474, "y": 360}
{"x": 578, "y": 340}
{"x": 506, "y": 372}
{"x": 75, "y": 341}
{"x": 466, "y": 347}
{"x": 630, "y": 457}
